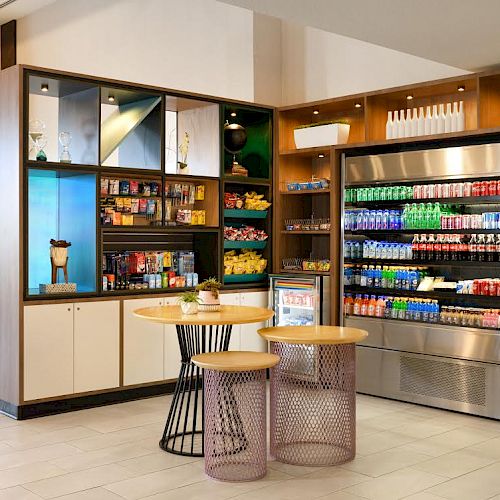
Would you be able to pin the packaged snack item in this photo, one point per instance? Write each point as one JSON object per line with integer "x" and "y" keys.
{"x": 151, "y": 207}
{"x": 119, "y": 204}
{"x": 114, "y": 186}
{"x": 200, "y": 192}
{"x": 104, "y": 187}
{"x": 164, "y": 280}
{"x": 127, "y": 220}
{"x": 124, "y": 187}
{"x": 146, "y": 189}
{"x": 134, "y": 206}
{"x": 154, "y": 188}
{"x": 134, "y": 188}
{"x": 117, "y": 219}
{"x": 201, "y": 217}
{"x": 194, "y": 217}
{"x": 143, "y": 205}
{"x": 127, "y": 205}
{"x": 167, "y": 259}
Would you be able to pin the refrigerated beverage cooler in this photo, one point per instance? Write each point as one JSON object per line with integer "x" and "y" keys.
{"x": 300, "y": 300}
{"x": 421, "y": 273}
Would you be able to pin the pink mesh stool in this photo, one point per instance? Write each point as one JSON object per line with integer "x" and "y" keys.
{"x": 234, "y": 385}
{"x": 313, "y": 399}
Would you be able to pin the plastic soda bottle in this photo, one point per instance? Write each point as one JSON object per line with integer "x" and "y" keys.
{"x": 372, "y": 304}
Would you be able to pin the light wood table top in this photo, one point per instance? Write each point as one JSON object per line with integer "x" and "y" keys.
{"x": 235, "y": 361}
{"x": 228, "y": 315}
{"x": 313, "y": 334}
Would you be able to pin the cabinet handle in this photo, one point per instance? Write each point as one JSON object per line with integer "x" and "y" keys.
{"x": 69, "y": 308}
{"x": 77, "y": 308}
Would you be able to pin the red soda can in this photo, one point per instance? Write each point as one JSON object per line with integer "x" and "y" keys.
{"x": 459, "y": 189}
{"x": 458, "y": 222}
{"x": 498, "y": 188}
{"x": 446, "y": 190}
{"x": 453, "y": 192}
{"x": 425, "y": 191}
{"x": 416, "y": 191}
{"x": 432, "y": 190}
{"x": 493, "y": 288}
{"x": 476, "y": 188}
{"x": 492, "y": 188}
{"x": 467, "y": 188}
{"x": 485, "y": 287}
{"x": 466, "y": 218}
{"x": 438, "y": 190}
{"x": 484, "y": 188}
{"x": 476, "y": 287}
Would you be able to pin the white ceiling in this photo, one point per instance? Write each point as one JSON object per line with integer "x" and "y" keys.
{"x": 460, "y": 33}
{"x": 20, "y": 8}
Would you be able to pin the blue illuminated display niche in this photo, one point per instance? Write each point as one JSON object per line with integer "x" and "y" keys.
{"x": 62, "y": 206}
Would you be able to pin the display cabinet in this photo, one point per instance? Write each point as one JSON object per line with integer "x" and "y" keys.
{"x": 115, "y": 193}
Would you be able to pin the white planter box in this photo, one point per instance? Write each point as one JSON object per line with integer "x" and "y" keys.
{"x": 322, "y": 135}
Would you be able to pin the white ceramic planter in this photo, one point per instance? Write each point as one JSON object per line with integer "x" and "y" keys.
{"x": 189, "y": 307}
{"x": 322, "y": 135}
{"x": 208, "y": 302}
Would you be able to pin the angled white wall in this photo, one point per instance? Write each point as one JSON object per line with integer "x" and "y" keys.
{"x": 198, "y": 45}
{"x": 317, "y": 65}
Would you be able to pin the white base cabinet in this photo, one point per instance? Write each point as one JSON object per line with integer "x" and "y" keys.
{"x": 71, "y": 348}
{"x": 250, "y": 339}
{"x": 48, "y": 351}
{"x": 96, "y": 339}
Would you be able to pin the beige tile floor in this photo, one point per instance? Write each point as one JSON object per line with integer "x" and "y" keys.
{"x": 111, "y": 453}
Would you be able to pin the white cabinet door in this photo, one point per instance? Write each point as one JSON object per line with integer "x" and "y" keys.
{"x": 232, "y": 299}
{"x": 172, "y": 353}
{"x": 48, "y": 351}
{"x": 250, "y": 339}
{"x": 96, "y": 345}
{"x": 142, "y": 344}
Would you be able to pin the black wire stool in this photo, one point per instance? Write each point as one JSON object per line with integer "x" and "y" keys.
{"x": 184, "y": 429}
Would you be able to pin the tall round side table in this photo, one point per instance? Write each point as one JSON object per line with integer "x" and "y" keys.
{"x": 197, "y": 334}
{"x": 313, "y": 398}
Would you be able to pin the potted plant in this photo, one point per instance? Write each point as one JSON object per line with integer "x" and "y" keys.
{"x": 189, "y": 302}
{"x": 208, "y": 293}
{"x": 321, "y": 134}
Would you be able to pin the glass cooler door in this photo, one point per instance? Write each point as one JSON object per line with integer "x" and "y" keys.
{"x": 296, "y": 300}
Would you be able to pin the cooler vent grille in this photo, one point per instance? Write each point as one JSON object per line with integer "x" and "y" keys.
{"x": 443, "y": 380}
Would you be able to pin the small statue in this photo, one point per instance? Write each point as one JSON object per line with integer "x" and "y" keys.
{"x": 59, "y": 258}
{"x": 183, "y": 149}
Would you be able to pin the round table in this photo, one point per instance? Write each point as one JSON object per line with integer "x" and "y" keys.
{"x": 196, "y": 333}
{"x": 313, "y": 398}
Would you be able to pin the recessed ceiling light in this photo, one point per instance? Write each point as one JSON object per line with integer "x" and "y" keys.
{"x": 461, "y": 88}
{"x": 111, "y": 98}
{"x": 321, "y": 155}
{"x": 409, "y": 97}
{"x": 315, "y": 112}
{"x": 357, "y": 105}
{"x": 233, "y": 114}
{"x": 44, "y": 87}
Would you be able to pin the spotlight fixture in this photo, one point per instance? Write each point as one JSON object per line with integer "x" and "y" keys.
{"x": 111, "y": 98}
{"x": 461, "y": 88}
{"x": 315, "y": 112}
{"x": 357, "y": 105}
{"x": 44, "y": 87}
{"x": 321, "y": 155}
{"x": 409, "y": 97}
{"x": 233, "y": 114}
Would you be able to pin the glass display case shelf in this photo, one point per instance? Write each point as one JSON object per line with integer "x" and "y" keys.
{"x": 459, "y": 298}
{"x": 374, "y": 232}
{"x": 469, "y": 200}
{"x": 419, "y": 263}
{"x": 430, "y": 324}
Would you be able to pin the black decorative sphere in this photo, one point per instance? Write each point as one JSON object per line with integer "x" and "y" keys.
{"x": 235, "y": 137}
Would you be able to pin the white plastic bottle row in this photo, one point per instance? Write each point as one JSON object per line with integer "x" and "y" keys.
{"x": 432, "y": 121}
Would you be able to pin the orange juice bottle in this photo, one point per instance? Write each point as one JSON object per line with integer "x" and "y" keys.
{"x": 364, "y": 305}
{"x": 372, "y": 304}
{"x": 348, "y": 305}
{"x": 380, "y": 308}
{"x": 357, "y": 306}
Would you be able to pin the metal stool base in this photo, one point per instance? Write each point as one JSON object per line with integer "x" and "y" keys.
{"x": 313, "y": 404}
{"x": 184, "y": 429}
